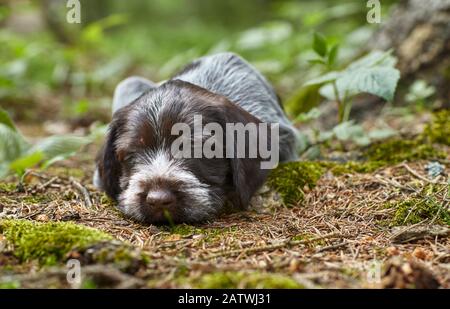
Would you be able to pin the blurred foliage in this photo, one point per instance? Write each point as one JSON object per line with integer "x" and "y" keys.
{"x": 53, "y": 70}
{"x": 17, "y": 155}
{"x": 49, "y": 62}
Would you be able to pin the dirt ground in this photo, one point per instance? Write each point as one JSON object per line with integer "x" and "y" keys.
{"x": 348, "y": 232}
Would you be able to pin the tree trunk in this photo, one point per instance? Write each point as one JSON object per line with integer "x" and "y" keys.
{"x": 419, "y": 33}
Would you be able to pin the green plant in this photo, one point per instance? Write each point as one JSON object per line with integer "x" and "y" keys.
{"x": 16, "y": 154}
{"x": 373, "y": 73}
{"x": 351, "y": 131}
{"x": 419, "y": 91}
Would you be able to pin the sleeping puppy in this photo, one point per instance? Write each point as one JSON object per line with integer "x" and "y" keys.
{"x": 139, "y": 168}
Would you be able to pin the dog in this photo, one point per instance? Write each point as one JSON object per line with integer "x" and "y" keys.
{"x": 136, "y": 166}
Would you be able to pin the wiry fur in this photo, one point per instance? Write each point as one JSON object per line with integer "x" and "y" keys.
{"x": 137, "y": 158}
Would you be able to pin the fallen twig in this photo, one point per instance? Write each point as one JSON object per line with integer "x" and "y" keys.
{"x": 83, "y": 191}
{"x": 283, "y": 244}
{"x": 393, "y": 183}
{"x": 48, "y": 183}
{"x": 419, "y": 231}
{"x": 331, "y": 247}
{"x": 417, "y": 175}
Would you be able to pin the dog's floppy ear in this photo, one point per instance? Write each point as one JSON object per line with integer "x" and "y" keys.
{"x": 247, "y": 175}
{"x": 129, "y": 90}
{"x": 108, "y": 164}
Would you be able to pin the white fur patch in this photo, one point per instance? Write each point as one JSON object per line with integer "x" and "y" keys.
{"x": 159, "y": 165}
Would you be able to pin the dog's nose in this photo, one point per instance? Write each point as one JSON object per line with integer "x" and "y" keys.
{"x": 161, "y": 199}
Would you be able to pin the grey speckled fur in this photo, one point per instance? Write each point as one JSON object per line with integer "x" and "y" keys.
{"x": 229, "y": 75}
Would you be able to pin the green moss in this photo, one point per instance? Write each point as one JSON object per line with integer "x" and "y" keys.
{"x": 306, "y": 236}
{"x": 233, "y": 279}
{"x": 438, "y": 131}
{"x": 7, "y": 187}
{"x": 107, "y": 201}
{"x": 354, "y": 273}
{"x": 10, "y": 285}
{"x": 47, "y": 242}
{"x": 89, "y": 284}
{"x": 36, "y": 199}
{"x": 125, "y": 257}
{"x": 351, "y": 167}
{"x": 415, "y": 210}
{"x": 186, "y": 230}
{"x": 395, "y": 151}
{"x": 211, "y": 234}
{"x": 290, "y": 179}
{"x": 68, "y": 172}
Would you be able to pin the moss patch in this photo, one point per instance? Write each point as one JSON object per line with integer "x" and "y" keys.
{"x": 124, "y": 257}
{"x": 7, "y": 187}
{"x": 37, "y": 198}
{"x": 47, "y": 242}
{"x": 211, "y": 234}
{"x": 232, "y": 279}
{"x": 351, "y": 167}
{"x": 65, "y": 171}
{"x": 438, "y": 131}
{"x": 396, "y": 150}
{"x": 306, "y": 236}
{"x": 415, "y": 210}
{"x": 290, "y": 179}
{"x": 186, "y": 230}
{"x": 10, "y": 285}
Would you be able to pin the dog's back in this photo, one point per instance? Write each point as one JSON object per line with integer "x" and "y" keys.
{"x": 229, "y": 75}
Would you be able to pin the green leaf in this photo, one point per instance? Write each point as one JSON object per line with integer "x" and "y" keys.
{"x": 379, "y": 134}
{"x": 379, "y": 81}
{"x": 419, "y": 90}
{"x": 325, "y": 136}
{"x": 12, "y": 144}
{"x": 333, "y": 55}
{"x": 21, "y": 164}
{"x": 269, "y": 33}
{"x": 374, "y": 58}
{"x": 349, "y": 131}
{"x": 320, "y": 45}
{"x": 303, "y": 100}
{"x": 314, "y": 113}
{"x": 328, "y": 77}
{"x": 344, "y": 130}
{"x": 6, "y": 120}
{"x": 4, "y": 169}
{"x": 55, "y": 146}
{"x": 317, "y": 61}
{"x": 94, "y": 32}
{"x": 53, "y": 160}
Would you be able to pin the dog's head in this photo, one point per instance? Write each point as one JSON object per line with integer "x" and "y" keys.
{"x": 138, "y": 168}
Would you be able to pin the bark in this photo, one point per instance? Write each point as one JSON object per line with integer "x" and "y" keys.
{"x": 419, "y": 33}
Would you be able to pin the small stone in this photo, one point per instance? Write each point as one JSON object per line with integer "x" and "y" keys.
{"x": 331, "y": 196}
{"x": 406, "y": 268}
{"x": 392, "y": 251}
{"x": 422, "y": 254}
{"x": 434, "y": 169}
{"x": 294, "y": 265}
{"x": 42, "y": 218}
{"x": 262, "y": 264}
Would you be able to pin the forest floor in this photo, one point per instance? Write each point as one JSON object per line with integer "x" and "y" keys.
{"x": 345, "y": 226}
